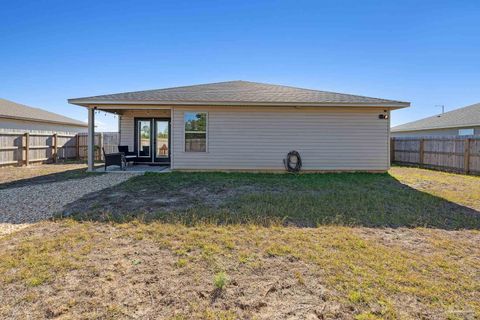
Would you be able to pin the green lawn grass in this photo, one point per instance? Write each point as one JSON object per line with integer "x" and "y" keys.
{"x": 241, "y": 246}
{"x": 307, "y": 200}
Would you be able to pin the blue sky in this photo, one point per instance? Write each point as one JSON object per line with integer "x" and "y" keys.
{"x": 425, "y": 52}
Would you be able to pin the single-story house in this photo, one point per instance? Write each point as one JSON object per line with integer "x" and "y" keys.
{"x": 15, "y": 117}
{"x": 460, "y": 122}
{"x": 241, "y": 125}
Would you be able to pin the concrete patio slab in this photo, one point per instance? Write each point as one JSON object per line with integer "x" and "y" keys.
{"x": 140, "y": 168}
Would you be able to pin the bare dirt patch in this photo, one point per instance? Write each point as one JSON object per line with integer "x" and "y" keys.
{"x": 122, "y": 201}
{"x": 139, "y": 271}
{"x": 123, "y": 277}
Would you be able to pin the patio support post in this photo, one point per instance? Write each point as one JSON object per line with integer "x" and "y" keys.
{"x": 91, "y": 138}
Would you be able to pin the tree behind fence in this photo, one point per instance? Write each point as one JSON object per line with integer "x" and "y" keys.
{"x": 18, "y": 148}
{"x": 453, "y": 153}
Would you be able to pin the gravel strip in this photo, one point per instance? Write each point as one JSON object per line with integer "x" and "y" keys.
{"x": 29, "y": 204}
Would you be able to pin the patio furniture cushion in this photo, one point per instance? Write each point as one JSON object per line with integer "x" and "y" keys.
{"x": 125, "y": 151}
{"x": 130, "y": 158}
{"x": 129, "y": 155}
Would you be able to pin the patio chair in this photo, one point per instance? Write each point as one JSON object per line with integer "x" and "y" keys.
{"x": 114, "y": 159}
{"x": 129, "y": 155}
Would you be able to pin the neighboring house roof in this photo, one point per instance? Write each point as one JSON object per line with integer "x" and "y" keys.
{"x": 238, "y": 93}
{"x": 463, "y": 117}
{"x": 13, "y": 110}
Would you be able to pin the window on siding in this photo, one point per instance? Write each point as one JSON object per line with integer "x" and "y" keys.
{"x": 195, "y": 131}
{"x": 465, "y": 132}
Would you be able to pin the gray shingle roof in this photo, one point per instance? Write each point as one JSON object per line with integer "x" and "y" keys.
{"x": 238, "y": 92}
{"x": 463, "y": 117}
{"x": 13, "y": 110}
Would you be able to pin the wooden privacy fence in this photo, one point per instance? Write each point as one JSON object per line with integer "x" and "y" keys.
{"x": 26, "y": 148}
{"x": 445, "y": 153}
{"x": 107, "y": 140}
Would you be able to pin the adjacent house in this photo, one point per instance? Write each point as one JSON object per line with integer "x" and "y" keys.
{"x": 241, "y": 125}
{"x": 460, "y": 122}
{"x": 18, "y": 117}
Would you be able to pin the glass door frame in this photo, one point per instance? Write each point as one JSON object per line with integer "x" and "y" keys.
{"x": 153, "y": 158}
{"x": 154, "y": 154}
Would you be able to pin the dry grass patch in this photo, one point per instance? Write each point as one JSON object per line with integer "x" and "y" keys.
{"x": 34, "y": 261}
{"x": 458, "y": 188}
{"x": 172, "y": 271}
{"x": 235, "y": 246}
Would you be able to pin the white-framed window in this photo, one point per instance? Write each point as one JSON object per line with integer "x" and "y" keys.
{"x": 195, "y": 131}
{"x": 466, "y": 132}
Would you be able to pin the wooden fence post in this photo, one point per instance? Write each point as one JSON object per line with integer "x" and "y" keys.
{"x": 421, "y": 151}
{"x": 100, "y": 144}
{"x": 55, "y": 148}
{"x": 78, "y": 145}
{"x": 466, "y": 156}
{"x": 27, "y": 148}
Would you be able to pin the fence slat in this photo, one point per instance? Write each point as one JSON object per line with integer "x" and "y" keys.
{"x": 23, "y": 148}
{"x": 55, "y": 147}
{"x": 421, "y": 151}
{"x": 77, "y": 141}
{"x": 466, "y": 158}
{"x": 445, "y": 153}
{"x": 27, "y": 149}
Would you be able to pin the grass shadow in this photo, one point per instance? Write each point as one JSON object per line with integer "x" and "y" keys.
{"x": 47, "y": 178}
{"x": 306, "y": 200}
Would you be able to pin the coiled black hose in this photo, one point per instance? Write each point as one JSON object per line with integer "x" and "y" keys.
{"x": 293, "y": 161}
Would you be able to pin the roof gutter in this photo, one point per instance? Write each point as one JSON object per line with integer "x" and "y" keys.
{"x": 88, "y": 103}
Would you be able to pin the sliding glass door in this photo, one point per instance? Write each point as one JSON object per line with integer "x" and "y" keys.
{"x": 162, "y": 140}
{"x": 144, "y": 138}
{"x": 152, "y": 140}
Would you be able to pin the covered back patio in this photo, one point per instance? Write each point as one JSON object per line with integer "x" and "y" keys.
{"x": 144, "y": 138}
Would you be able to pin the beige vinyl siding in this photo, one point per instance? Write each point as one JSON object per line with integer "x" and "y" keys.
{"x": 435, "y": 132}
{"x": 9, "y": 125}
{"x": 247, "y": 138}
{"x": 127, "y": 123}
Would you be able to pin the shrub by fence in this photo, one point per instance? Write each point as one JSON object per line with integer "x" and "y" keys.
{"x": 18, "y": 148}
{"x": 445, "y": 153}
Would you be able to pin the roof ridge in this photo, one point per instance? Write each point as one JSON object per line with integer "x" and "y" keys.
{"x": 448, "y": 119}
{"x": 168, "y": 88}
{"x": 239, "y": 91}
{"x": 440, "y": 114}
{"x": 246, "y": 81}
{"x": 458, "y": 109}
{"x": 322, "y": 91}
{"x": 44, "y": 112}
